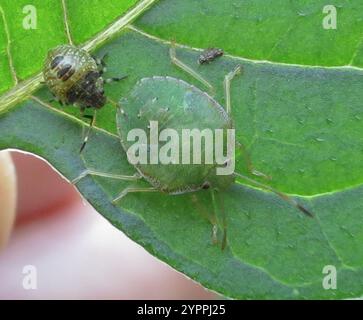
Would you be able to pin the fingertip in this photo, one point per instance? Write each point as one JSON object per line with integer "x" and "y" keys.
{"x": 8, "y": 196}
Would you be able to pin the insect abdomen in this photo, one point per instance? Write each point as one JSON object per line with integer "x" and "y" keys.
{"x": 66, "y": 72}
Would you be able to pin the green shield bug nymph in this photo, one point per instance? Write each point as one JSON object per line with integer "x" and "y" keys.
{"x": 173, "y": 103}
{"x": 75, "y": 77}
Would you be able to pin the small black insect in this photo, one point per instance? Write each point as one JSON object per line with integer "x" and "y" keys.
{"x": 209, "y": 55}
{"x": 75, "y": 77}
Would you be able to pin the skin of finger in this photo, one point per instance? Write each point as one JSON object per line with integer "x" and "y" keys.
{"x": 41, "y": 190}
{"x": 8, "y": 195}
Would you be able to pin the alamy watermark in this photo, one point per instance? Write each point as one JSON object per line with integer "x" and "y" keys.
{"x": 30, "y": 278}
{"x": 330, "y": 20}
{"x": 30, "y": 19}
{"x": 330, "y": 280}
{"x": 177, "y": 149}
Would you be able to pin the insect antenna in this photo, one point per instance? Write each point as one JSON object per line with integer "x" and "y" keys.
{"x": 282, "y": 195}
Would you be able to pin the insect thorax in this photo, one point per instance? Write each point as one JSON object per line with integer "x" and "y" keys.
{"x": 87, "y": 92}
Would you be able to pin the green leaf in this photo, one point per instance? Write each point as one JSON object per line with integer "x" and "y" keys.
{"x": 302, "y": 125}
{"x": 273, "y": 30}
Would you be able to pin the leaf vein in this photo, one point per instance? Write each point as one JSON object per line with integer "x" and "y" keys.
{"x": 306, "y": 66}
{"x": 356, "y": 52}
{"x": 280, "y": 39}
{"x": 66, "y": 22}
{"x": 8, "y": 47}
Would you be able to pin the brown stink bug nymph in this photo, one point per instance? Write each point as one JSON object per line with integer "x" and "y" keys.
{"x": 75, "y": 77}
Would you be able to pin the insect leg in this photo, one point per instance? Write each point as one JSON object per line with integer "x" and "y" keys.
{"x": 188, "y": 69}
{"x": 248, "y": 160}
{"x": 211, "y": 218}
{"x": 115, "y": 79}
{"x": 102, "y": 59}
{"x": 88, "y": 172}
{"x": 224, "y": 222}
{"x": 227, "y": 94}
{"x": 124, "y": 192}
{"x": 92, "y": 122}
{"x": 224, "y": 218}
{"x": 282, "y": 195}
{"x": 227, "y": 87}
